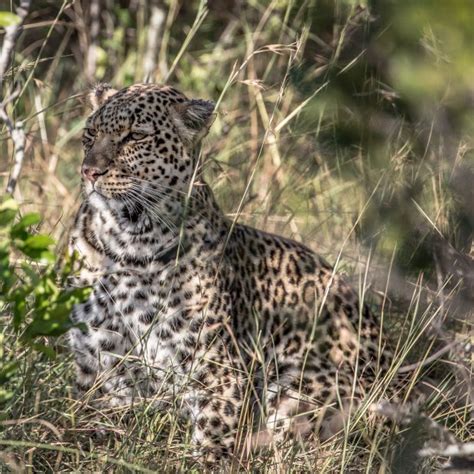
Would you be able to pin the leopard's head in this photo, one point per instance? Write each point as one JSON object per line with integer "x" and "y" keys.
{"x": 139, "y": 142}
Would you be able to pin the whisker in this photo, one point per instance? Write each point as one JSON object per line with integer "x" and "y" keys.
{"x": 155, "y": 184}
{"x": 151, "y": 209}
{"x": 153, "y": 198}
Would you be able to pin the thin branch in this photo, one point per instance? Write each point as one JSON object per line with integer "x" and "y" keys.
{"x": 17, "y": 134}
{"x": 11, "y": 34}
{"x": 428, "y": 360}
{"x": 15, "y": 128}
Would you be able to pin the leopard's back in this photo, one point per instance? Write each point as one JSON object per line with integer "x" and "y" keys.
{"x": 298, "y": 304}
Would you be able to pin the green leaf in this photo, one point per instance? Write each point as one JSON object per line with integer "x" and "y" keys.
{"x": 48, "y": 351}
{"x": 28, "y": 219}
{"x": 40, "y": 242}
{"x": 7, "y": 276}
{"x": 18, "y": 231}
{"x": 51, "y": 321}
{"x": 36, "y": 247}
{"x": 70, "y": 264}
{"x": 5, "y": 395}
{"x": 46, "y": 326}
{"x": 8, "y": 203}
{"x": 7, "y": 371}
{"x": 32, "y": 274}
{"x": 19, "y": 311}
{"x": 20, "y": 308}
{"x": 9, "y": 19}
{"x": 74, "y": 296}
{"x": 6, "y": 217}
{"x": 19, "y": 303}
{"x": 39, "y": 255}
{"x": 8, "y": 210}
{"x": 52, "y": 317}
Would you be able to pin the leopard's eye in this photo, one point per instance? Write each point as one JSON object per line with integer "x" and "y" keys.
{"x": 88, "y": 137}
{"x": 90, "y": 131}
{"x": 136, "y": 136}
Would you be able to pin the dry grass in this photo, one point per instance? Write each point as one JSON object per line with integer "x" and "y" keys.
{"x": 278, "y": 159}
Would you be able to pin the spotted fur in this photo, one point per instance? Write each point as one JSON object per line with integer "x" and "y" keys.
{"x": 190, "y": 310}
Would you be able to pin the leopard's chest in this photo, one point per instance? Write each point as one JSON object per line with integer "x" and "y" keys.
{"x": 149, "y": 311}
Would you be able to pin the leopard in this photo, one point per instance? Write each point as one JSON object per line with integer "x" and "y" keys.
{"x": 198, "y": 312}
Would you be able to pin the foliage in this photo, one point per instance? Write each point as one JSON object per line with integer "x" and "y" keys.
{"x": 8, "y": 19}
{"x": 31, "y": 289}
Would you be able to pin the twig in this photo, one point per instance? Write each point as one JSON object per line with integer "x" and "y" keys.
{"x": 11, "y": 34}
{"x": 428, "y": 360}
{"x": 17, "y": 134}
{"x": 15, "y": 129}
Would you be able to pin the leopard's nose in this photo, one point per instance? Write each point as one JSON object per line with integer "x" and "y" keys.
{"x": 92, "y": 173}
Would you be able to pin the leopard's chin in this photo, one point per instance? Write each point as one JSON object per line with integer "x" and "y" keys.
{"x": 96, "y": 193}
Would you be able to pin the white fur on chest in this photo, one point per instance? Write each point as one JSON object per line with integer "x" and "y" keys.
{"x": 139, "y": 309}
{"x": 132, "y": 313}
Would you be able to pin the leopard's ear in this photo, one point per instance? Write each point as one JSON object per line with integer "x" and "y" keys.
{"x": 193, "y": 118}
{"x": 100, "y": 94}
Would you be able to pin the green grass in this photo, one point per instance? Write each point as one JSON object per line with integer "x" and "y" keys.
{"x": 329, "y": 132}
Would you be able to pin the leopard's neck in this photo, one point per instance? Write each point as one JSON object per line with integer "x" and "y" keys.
{"x": 138, "y": 234}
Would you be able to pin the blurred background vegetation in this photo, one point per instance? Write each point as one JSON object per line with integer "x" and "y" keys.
{"x": 345, "y": 124}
